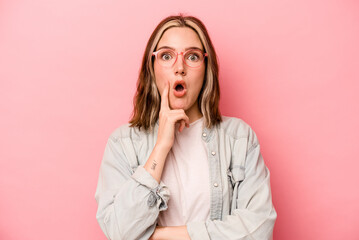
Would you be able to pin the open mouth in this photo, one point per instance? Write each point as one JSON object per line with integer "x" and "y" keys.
{"x": 179, "y": 88}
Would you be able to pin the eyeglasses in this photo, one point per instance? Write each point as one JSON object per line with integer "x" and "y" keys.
{"x": 192, "y": 58}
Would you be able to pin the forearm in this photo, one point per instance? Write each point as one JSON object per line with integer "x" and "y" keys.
{"x": 155, "y": 163}
{"x": 170, "y": 233}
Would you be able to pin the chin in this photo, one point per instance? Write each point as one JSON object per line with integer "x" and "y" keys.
{"x": 178, "y": 106}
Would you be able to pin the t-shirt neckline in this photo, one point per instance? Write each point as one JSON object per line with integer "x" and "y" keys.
{"x": 198, "y": 120}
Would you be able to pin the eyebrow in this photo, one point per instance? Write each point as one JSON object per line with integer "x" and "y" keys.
{"x": 175, "y": 49}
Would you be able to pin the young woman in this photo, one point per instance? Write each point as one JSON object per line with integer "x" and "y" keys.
{"x": 180, "y": 170}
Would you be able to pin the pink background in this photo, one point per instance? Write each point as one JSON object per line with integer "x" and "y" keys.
{"x": 68, "y": 71}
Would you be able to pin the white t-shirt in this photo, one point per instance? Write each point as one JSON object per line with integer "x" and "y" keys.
{"x": 186, "y": 174}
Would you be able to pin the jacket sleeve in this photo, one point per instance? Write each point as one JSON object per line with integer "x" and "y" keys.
{"x": 253, "y": 215}
{"x": 128, "y": 201}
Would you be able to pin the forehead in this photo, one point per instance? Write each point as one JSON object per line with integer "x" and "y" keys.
{"x": 180, "y": 38}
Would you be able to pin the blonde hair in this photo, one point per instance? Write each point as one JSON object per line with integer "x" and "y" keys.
{"x": 147, "y": 99}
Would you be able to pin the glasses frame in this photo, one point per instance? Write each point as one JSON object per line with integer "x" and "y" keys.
{"x": 181, "y": 53}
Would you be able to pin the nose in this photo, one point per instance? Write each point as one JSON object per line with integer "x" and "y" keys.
{"x": 179, "y": 65}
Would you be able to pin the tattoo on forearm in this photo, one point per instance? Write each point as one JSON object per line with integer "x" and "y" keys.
{"x": 154, "y": 163}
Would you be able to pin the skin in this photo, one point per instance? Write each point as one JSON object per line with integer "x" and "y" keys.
{"x": 181, "y": 38}
{"x": 175, "y": 111}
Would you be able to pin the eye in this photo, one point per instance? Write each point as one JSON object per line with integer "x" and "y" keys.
{"x": 166, "y": 55}
{"x": 193, "y": 56}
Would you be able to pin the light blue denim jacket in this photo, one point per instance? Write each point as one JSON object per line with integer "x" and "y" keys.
{"x": 130, "y": 199}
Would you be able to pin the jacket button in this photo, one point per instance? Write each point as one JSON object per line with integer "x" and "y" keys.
{"x": 215, "y": 184}
{"x": 213, "y": 153}
{"x": 204, "y": 134}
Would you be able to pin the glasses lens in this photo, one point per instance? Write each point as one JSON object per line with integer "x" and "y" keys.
{"x": 166, "y": 57}
{"x": 194, "y": 58}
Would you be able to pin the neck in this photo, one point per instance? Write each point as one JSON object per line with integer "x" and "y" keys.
{"x": 193, "y": 114}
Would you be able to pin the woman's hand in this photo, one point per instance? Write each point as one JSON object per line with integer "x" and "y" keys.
{"x": 167, "y": 121}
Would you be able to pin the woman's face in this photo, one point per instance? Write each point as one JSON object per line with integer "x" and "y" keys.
{"x": 181, "y": 38}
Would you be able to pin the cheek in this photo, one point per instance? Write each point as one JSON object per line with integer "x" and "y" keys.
{"x": 198, "y": 80}
{"x": 160, "y": 76}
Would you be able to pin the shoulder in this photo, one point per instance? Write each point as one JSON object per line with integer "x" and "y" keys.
{"x": 125, "y": 131}
{"x": 237, "y": 128}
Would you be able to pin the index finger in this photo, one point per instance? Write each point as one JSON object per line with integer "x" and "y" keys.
{"x": 164, "y": 98}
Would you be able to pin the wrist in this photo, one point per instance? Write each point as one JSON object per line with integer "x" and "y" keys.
{"x": 162, "y": 147}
